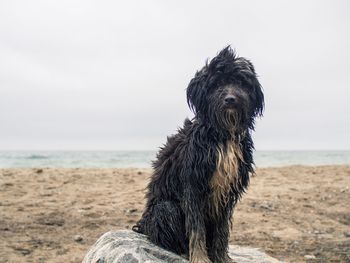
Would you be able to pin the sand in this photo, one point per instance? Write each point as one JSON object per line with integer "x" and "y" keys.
{"x": 296, "y": 213}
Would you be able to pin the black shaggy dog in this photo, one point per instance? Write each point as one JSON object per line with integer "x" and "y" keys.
{"x": 203, "y": 170}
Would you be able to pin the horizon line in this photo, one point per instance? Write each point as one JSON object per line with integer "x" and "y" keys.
{"x": 156, "y": 150}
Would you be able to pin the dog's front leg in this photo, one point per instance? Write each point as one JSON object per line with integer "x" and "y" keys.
{"x": 218, "y": 248}
{"x": 195, "y": 227}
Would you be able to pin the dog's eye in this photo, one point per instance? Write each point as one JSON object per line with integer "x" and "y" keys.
{"x": 217, "y": 89}
{"x": 221, "y": 88}
{"x": 245, "y": 85}
{"x": 238, "y": 83}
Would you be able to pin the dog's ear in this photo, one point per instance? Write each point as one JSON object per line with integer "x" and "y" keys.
{"x": 259, "y": 104}
{"x": 196, "y": 91}
{"x": 246, "y": 72}
{"x": 259, "y": 100}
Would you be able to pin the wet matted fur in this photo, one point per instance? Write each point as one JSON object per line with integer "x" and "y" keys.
{"x": 203, "y": 170}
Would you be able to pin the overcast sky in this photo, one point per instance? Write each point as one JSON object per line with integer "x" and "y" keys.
{"x": 85, "y": 75}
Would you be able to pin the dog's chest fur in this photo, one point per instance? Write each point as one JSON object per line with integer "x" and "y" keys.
{"x": 225, "y": 176}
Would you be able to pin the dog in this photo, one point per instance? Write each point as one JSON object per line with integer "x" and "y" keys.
{"x": 203, "y": 170}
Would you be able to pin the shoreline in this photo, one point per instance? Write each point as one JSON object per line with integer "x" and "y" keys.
{"x": 56, "y": 214}
{"x": 143, "y": 159}
{"x": 150, "y": 168}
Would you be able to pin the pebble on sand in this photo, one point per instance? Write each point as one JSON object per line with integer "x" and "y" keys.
{"x": 78, "y": 238}
{"x": 309, "y": 257}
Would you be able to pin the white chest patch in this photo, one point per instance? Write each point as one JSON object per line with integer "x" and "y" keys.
{"x": 227, "y": 165}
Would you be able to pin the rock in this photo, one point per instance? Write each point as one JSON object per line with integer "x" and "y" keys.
{"x": 130, "y": 211}
{"x": 309, "y": 257}
{"x": 23, "y": 251}
{"x": 347, "y": 233}
{"x": 126, "y": 246}
{"x": 51, "y": 220}
{"x": 78, "y": 238}
{"x": 267, "y": 206}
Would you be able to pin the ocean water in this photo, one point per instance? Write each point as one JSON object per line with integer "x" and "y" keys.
{"x": 122, "y": 159}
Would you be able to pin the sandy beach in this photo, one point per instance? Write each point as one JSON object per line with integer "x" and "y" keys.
{"x": 295, "y": 213}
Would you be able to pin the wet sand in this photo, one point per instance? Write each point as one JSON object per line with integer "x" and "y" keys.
{"x": 296, "y": 213}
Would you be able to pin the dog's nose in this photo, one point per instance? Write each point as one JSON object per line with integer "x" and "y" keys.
{"x": 230, "y": 99}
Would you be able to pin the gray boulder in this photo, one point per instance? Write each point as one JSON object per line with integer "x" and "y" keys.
{"x": 126, "y": 246}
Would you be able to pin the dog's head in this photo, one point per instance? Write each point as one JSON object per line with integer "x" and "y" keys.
{"x": 226, "y": 91}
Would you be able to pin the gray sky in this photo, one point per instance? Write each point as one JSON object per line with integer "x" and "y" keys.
{"x": 112, "y": 74}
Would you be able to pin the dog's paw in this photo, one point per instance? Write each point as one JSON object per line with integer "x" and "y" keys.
{"x": 200, "y": 260}
{"x": 229, "y": 260}
{"x": 226, "y": 259}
